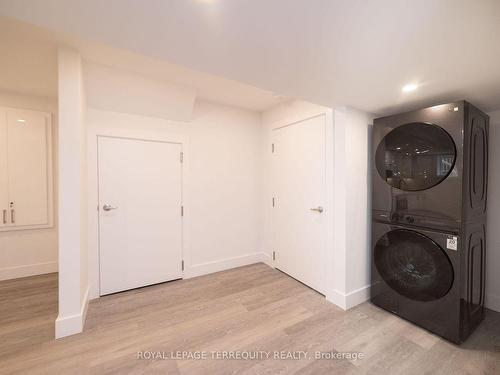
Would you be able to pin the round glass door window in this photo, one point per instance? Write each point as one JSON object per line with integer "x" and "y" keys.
{"x": 413, "y": 265}
{"x": 415, "y": 156}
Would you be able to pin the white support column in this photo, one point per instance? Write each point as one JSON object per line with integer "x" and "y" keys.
{"x": 73, "y": 283}
{"x": 351, "y": 227}
{"x": 336, "y": 294}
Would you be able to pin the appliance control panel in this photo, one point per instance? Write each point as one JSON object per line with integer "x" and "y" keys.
{"x": 404, "y": 218}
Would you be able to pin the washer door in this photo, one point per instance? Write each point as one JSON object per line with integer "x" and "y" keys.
{"x": 413, "y": 265}
{"x": 415, "y": 156}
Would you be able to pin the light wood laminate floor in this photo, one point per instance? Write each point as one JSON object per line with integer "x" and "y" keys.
{"x": 252, "y": 308}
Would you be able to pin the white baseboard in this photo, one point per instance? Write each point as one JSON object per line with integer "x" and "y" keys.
{"x": 358, "y": 296}
{"x": 492, "y": 302}
{"x": 337, "y": 298}
{"x": 351, "y": 299}
{"x": 27, "y": 270}
{"x": 73, "y": 324}
{"x": 267, "y": 259}
{"x": 222, "y": 265}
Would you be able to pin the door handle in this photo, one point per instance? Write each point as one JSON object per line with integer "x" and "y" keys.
{"x": 4, "y": 213}
{"x": 108, "y": 207}
{"x": 12, "y": 217}
{"x": 317, "y": 209}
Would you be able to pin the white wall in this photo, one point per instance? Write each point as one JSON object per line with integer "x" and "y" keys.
{"x": 118, "y": 90}
{"x": 221, "y": 182}
{"x": 30, "y": 252}
{"x": 73, "y": 283}
{"x": 492, "y": 239}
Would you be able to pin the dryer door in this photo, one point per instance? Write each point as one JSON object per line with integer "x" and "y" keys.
{"x": 413, "y": 265}
{"x": 415, "y": 156}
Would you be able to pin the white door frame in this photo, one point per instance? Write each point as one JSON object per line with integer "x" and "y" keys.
{"x": 330, "y": 224}
{"x": 93, "y": 196}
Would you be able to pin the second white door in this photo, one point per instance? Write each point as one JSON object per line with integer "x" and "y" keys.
{"x": 299, "y": 225}
{"x": 140, "y": 222}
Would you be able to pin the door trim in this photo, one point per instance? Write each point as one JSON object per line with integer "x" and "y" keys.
{"x": 93, "y": 135}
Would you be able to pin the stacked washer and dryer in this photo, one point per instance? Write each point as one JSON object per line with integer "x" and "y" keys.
{"x": 429, "y": 217}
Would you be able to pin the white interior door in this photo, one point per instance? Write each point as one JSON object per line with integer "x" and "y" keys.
{"x": 299, "y": 225}
{"x": 140, "y": 223}
{"x": 28, "y": 162}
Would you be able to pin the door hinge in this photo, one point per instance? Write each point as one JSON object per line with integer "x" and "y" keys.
{"x": 274, "y": 255}
{"x": 182, "y": 157}
{"x": 182, "y": 210}
{"x": 272, "y": 148}
{"x": 182, "y": 265}
{"x": 273, "y": 201}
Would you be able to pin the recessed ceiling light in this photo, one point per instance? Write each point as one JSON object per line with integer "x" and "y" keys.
{"x": 410, "y": 87}
{"x": 21, "y": 120}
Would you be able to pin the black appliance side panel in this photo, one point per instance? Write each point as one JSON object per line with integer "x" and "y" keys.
{"x": 475, "y": 179}
{"x": 472, "y": 275}
{"x": 475, "y": 189}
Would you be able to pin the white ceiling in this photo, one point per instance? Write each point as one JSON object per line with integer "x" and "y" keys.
{"x": 333, "y": 52}
{"x": 28, "y": 64}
